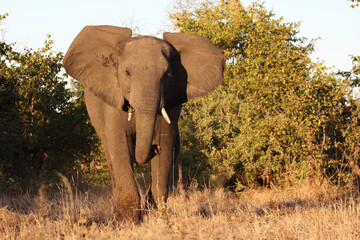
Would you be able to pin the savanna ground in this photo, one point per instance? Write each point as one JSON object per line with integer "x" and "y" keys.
{"x": 306, "y": 212}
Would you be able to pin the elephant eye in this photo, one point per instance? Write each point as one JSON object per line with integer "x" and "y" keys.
{"x": 127, "y": 72}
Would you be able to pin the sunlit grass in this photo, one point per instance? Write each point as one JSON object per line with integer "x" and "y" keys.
{"x": 293, "y": 213}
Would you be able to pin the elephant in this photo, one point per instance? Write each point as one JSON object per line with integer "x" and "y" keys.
{"x": 134, "y": 88}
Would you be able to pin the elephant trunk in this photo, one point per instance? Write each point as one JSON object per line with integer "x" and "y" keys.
{"x": 146, "y": 107}
{"x": 145, "y": 124}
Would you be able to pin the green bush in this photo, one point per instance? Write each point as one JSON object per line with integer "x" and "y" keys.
{"x": 278, "y": 117}
{"x": 44, "y": 127}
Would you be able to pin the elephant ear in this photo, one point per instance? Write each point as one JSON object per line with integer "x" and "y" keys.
{"x": 200, "y": 65}
{"x": 92, "y": 59}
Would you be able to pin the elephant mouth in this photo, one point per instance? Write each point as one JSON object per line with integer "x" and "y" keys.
{"x": 130, "y": 110}
{"x": 126, "y": 105}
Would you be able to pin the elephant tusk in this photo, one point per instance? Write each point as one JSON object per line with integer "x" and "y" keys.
{"x": 163, "y": 112}
{"x": 130, "y": 112}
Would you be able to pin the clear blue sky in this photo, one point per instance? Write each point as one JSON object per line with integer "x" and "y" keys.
{"x": 30, "y": 21}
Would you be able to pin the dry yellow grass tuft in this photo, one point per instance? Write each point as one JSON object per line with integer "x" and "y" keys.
{"x": 303, "y": 213}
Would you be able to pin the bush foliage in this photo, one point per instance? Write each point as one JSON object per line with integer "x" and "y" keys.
{"x": 44, "y": 127}
{"x": 278, "y": 117}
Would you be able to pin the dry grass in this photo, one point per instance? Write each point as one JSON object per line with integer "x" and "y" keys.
{"x": 305, "y": 213}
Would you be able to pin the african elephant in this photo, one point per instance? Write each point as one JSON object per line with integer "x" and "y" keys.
{"x": 129, "y": 83}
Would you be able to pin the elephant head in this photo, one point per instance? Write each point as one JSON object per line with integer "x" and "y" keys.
{"x": 149, "y": 74}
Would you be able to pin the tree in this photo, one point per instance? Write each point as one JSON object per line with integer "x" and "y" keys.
{"x": 278, "y": 117}
{"x": 44, "y": 127}
{"x": 355, "y": 3}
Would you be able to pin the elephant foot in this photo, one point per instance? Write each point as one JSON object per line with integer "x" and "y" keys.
{"x": 128, "y": 215}
{"x": 128, "y": 209}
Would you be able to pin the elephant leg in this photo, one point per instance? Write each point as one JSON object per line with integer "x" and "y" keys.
{"x": 161, "y": 164}
{"x": 125, "y": 193}
{"x": 111, "y": 125}
{"x": 160, "y": 171}
{"x": 167, "y": 137}
{"x": 177, "y": 146}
